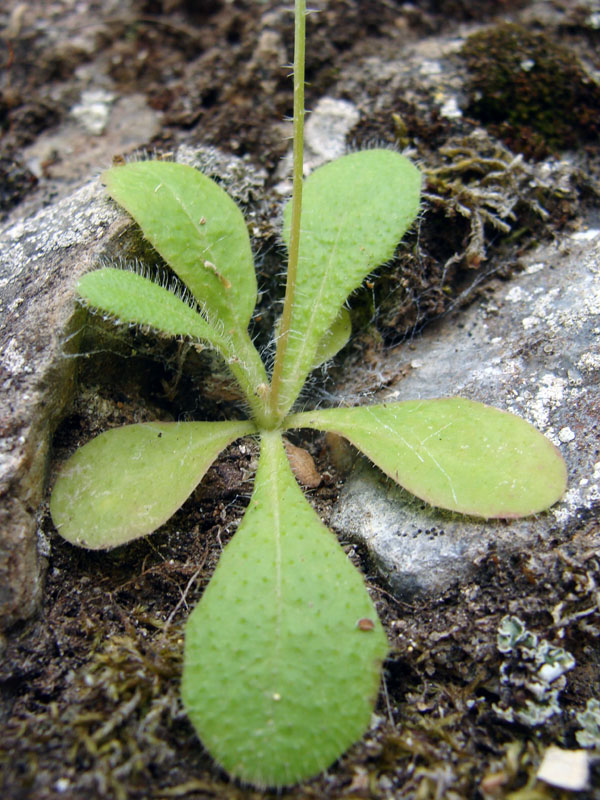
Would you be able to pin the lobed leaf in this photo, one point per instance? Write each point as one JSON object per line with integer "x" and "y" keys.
{"x": 129, "y": 297}
{"x": 279, "y": 676}
{"x": 355, "y": 211}
{"x": 453, "y": 453}
{"x": 197, "y": 228}
{"x": 126, "y": 482}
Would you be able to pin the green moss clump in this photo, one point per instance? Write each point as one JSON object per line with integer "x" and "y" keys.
{"x": 530, "y": 91}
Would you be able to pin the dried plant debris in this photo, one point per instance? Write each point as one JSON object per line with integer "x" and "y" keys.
{"x": 532, "y": 675}
{"x": 565, "y": 769}
{"x": 485, "y": 183}
{"x": 479, "y": 197}
{"x": 530, "y": 91}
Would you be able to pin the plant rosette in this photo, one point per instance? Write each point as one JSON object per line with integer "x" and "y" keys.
{"x": 283, "y": 652}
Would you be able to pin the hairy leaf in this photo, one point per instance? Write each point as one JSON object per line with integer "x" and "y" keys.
{"x": 334, "y": 339}
{"x": 453, "y": 453}
{"x": 197, "y": 228}
{"x": 283, "y": 652}
{"x": 355, "y": 211}
{"x": 126, "y": 482}
{"x": 131, "y": 298}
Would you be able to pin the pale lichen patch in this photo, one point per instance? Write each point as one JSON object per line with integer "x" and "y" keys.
{"x": 549, "y": 396}
{"x": 586, "y": 236}
{"x": 566, "y": 435}
{"x": 13, "y": 359}
{"x": 589, "y": 362}
{"x": 530, "y": 322}
{"x": 516, "y": 294}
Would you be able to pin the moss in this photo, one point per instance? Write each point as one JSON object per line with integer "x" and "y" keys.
{"x": 530, "y": 91}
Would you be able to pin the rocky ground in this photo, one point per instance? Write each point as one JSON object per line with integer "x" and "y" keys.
{"x": 493, "y": 295}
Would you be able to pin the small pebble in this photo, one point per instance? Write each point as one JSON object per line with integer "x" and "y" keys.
{"x": 566, "y": 435}
{"x": 566, "y": 769}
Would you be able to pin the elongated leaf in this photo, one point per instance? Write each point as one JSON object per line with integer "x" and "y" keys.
{"x": 453, "y": 453}
{"x": 284, "y": 649}
{"x": 355, "y": 211}
{"x": 129, "y": 297}
{"x": 197, "y": 229}
{"x": 126, "y": 482}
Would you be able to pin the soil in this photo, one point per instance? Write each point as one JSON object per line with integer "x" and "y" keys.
{"x": 89, "y": 699}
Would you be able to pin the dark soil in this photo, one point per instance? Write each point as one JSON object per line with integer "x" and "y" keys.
{"x": 89, "y": 700}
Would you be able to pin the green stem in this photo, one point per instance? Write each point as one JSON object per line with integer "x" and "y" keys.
{"x": 249, "y": 370}
{"x": 290, "y": 286}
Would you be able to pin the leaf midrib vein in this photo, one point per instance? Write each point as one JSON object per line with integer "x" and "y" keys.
{"x": 320, "y": 291}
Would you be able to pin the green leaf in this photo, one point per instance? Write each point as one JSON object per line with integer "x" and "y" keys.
{"x": 197, "y": 228}
{"x": 131, "y": 298}
{"x": 355, "y": 211}
{"x": 453, "y": 453}
{"x": 279, "y": 678}
{"x": 334, "y": 339}
{"x": 126, "y": 482}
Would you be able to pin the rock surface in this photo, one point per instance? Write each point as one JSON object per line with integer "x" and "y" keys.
{"x": 532, "y": 349}
{"x": 40, "y": 261}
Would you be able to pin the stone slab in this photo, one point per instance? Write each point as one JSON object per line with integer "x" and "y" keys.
{"x": 532, "y": 349}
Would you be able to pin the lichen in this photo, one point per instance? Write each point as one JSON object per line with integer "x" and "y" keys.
{"x": 589, "y": 721}
{"x": 531, "y": 675}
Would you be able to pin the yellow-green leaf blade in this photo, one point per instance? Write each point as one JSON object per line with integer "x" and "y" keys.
{"x": 454, "y": 453}
{"x": 279, "y": 677}
{"x": 334, "y": 339}
{"x": 131, "y": 298}
{"x": 354, "y": 212}
{"x": 126, "y": 482}
{"x": 196, "y": 227}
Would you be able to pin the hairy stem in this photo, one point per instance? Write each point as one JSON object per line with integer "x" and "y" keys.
{"x": 290, "y": 287}
{"x": 249, "y": 370}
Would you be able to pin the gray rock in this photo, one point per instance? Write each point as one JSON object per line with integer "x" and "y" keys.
{"x": 40, "y": 261}
{"x": 533, "y": 349}
{"x": 325, "y": 133}
{"x": 99, "y": 126}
